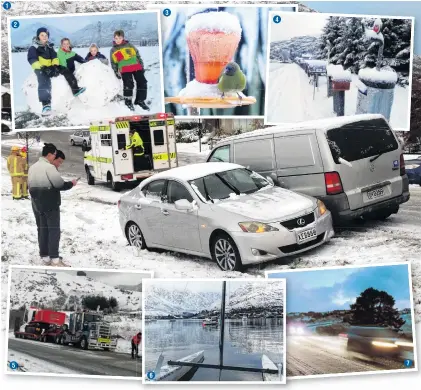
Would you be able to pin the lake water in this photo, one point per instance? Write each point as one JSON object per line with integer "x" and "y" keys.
{"x": 244, "y": 344}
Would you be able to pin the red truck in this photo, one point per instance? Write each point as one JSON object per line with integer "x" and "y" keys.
{"x": 45, "y": 325}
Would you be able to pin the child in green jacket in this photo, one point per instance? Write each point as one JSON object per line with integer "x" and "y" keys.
{"x": 67, "y": 56}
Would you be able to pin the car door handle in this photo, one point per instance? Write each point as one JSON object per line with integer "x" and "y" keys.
{"x": 165, "y": 212}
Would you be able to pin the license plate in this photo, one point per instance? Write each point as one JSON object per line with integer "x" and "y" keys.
{"x": 106, "y": 341}
{"x": 306, "y": 235}
{"x": 377, "y": 193}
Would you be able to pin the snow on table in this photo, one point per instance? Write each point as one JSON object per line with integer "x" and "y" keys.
{"x": 34, "y": 365}
{"x": 196, "y": 89}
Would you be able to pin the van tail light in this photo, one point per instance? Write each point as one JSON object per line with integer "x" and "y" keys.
{"x": 118, "y": 203}
{"x": 402, "y": 165}
{"x": 127, "y": 177}
{"x": 343, "y": 335}
{"x": 333, "y": 183}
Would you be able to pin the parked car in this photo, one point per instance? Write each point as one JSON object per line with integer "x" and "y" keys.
{"x": 80, "y": 137}
{"x": 353, "y": 164}
{"x": 224, "y": 212}
{"x": 375, "y": 341}
{"x": 413, "y": 170}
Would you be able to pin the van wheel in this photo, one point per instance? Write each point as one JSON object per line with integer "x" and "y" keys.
{"x": 135, "y": 236}
{"x": 114, "y": 186}
{"x": 90, "y": 179}
{"x": 225, "y": 253}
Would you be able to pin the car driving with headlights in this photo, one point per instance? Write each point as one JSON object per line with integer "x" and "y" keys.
{"x": 224, "y": 212}
{"x": 376, "y": 341}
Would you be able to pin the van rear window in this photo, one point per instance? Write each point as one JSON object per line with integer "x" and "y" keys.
{"x": 359, "y": 140}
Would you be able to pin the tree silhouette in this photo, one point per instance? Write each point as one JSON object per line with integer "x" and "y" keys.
{"x": 374, "y": 307}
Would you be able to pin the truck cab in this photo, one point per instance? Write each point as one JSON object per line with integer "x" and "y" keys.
{"x": 89, "y": 330}
{"x": 107, "y": 159}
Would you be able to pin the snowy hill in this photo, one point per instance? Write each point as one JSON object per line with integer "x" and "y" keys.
{"x": 23, "y": 37}
{"x": 297, "y": 47}
{"x": 137, "y": 287}
{"x": 253, "y": 295}
{"x": 269, "y": 295}
{"x": 135, "y": 30}
{"x": 160, "y": 301}
{"x": 60, "y": 288}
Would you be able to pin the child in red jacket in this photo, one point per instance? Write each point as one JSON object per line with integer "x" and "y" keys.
{"x": 136, "y": 340}
{"x": 128, "y": 65}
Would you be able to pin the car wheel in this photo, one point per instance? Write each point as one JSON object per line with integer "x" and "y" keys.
{"x": 135, "y": 236}
{"x": 90, "y": 179}
{"x": 84, "y": 343}
{"x": 225, "y": 253}
{"x": 72, "y": 142}
{"x": 84, "y": 144}
{"x": 114, "y": 186}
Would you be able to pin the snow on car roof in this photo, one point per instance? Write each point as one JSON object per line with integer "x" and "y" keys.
{"x": 214, "y": 21}
{"x": 322, "y": 124}
{"x": 194, "y": 171}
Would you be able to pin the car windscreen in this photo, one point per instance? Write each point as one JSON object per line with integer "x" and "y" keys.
{"x": 223, "y": 185}
{"x": 362, "y": 139}
{"x": 373, "y": 332}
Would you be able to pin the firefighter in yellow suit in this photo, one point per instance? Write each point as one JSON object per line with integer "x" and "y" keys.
{"x": 24, "y": 153}
{"x": 136, "y": 143}
{"x": 16, "y": 167}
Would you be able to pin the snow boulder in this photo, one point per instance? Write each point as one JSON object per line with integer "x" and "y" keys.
{"x": 100, "y": 82}
{"x": 61, "y": 94}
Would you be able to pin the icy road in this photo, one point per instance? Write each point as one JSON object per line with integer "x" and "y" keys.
{"x": 91, "y": 235}
{"x": 78, "y": 360}
{"x": 318, "y": 355}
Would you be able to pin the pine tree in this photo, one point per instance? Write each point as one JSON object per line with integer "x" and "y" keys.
{"x": 351, "y": 44}
{"x": 375, "y": 308}
{"x": 330, "y": 38}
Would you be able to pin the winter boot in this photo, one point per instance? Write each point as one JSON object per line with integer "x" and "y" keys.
{"x": 142, "y": 105}
{"x": 129, "y": 104}
{"x": 58, "y": 262}
{"x": 46, "y": 110}
{"x": 79, "y": 91}
{"x": 46, "y": 260}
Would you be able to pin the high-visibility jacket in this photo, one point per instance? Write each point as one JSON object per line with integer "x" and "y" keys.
{"x": 136, "y": 144}
{"x": 16, "y": 165}
{"x": 137, "y": 339}
{"x": 26, "y": 166}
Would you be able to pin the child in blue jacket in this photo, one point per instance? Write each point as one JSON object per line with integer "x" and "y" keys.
{"x": 95, "y": 54}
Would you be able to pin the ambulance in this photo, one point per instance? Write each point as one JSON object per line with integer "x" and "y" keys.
{"x": 107, "y": 160}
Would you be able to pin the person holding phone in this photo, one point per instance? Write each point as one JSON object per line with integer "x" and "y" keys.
{"x": 45, "y": 184}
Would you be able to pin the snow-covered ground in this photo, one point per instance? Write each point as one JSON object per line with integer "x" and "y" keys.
{"x": 193, "y": 148}
{"x": 92, "y": 238}
{"x": 290, "y": 98}
{"x": 101, "y": 86}
{"x": 31, "y": 364}
{"x": 33, "y": 145}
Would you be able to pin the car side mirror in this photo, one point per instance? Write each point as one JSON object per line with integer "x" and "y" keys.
{"x": 184, "y": 204}
{"x": 274, "y": 179}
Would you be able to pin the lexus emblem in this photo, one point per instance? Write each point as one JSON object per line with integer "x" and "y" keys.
{"x": 372, "y": 167}
{"x": 301, "y": 221}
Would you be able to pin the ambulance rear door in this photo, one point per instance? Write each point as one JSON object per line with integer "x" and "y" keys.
{"x": 94, "y": 157}
{"x": 159, "y": 141}
{"x": 122, "y": 158}
{"x": 172, "y": 147}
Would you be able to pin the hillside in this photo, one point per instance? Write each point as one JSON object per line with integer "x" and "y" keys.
{"x": 257, "y": 295}
{"x": 58, "y": 289}
{"x": 296, "y": 47}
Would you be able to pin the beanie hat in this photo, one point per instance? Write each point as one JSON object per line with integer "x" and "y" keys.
{"x": 43, "y": 30}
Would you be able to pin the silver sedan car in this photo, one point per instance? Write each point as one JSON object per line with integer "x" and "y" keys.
{"x": 224, "y": 212}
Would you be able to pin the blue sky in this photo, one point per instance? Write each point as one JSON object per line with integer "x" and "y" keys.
{"x": 386, "y": 8}
{"x": 324, "y": 290}
{"x": 74, "y": 23}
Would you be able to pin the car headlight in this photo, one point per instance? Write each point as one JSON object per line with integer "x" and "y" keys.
{"x": 256, "y": 227}
{"x": 404, "y": 344}
{"x": 383, "y": 344}
{"x": 321, "y": 207}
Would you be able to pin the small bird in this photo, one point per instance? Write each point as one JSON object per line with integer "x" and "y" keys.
{"x": 232, "y": 79}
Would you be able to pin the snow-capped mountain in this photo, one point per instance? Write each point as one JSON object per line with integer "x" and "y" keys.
{"x": 253, "y": 295}
{"x": 160, "y": 301}
{"x": 258, "y": 295}
{"x": 59, "y": 288}
{"x": 23, "y": 37}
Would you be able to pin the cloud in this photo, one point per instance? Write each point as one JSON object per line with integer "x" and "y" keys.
{"x": 340, "y": 299}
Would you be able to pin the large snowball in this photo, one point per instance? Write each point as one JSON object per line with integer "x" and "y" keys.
{"x": 100, "y": 82}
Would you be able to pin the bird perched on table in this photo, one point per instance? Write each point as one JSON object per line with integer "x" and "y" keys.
{"x": 232, "y": 79}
